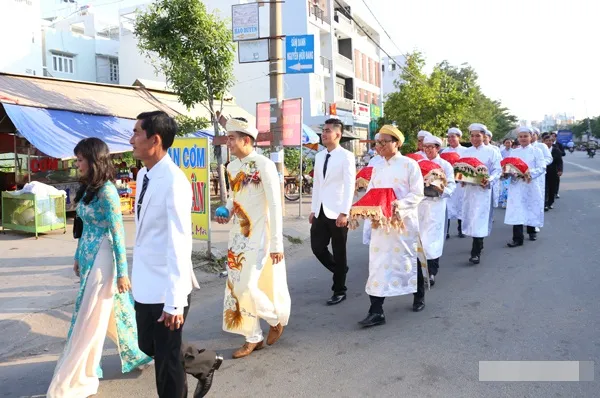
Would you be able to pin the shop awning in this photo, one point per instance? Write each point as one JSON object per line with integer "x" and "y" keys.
{"x": 56, "y": 132}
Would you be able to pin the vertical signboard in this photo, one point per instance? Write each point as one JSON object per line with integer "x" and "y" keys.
{"x": 193, "y": 157}
{"x": 292, "y": 121}
{"x": 244, "y": 21}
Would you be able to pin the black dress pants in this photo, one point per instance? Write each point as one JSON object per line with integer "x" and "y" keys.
{"x": 518, "y": 235}
{"x": 477, "y": 247}
{"x": 552, "y": 182}
{"x": 172, "y": 358}
{"x": 433, "y": 266}
{"x": 322, "y": 231}
{"x": 418, "y": 297}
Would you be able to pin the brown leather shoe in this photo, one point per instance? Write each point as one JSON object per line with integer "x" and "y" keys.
{"x": 275, "y": 333}
{"x": 247, "y": 349}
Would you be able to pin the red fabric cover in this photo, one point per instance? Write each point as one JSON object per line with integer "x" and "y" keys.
{"x": 415, "y": 156}
{"x": 517, "y": 162}
{"x": 473, "y": 162}
{"x": 450, "y": 157}
{"x": 427, "y": 166}
{"x": 365, "y": 173}
{"x": 376, "y": 199}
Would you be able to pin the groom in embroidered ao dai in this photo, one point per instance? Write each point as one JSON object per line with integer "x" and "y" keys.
{"x": 393, "y": 266}
{"x": 256, "y": 281}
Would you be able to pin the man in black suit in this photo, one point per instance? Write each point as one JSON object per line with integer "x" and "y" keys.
{"x": 561, "y": 148}
{"x": 553, "y": 172}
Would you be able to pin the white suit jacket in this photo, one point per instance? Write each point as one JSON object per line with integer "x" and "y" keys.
{"x": 336, "y": 191}
{"x": 162, "y": 256}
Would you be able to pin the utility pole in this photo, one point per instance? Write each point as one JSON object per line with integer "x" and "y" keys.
{"x": 276, "y": 90}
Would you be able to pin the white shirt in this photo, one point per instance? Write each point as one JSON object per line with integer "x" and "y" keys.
{"x": 459, "y": 149}
{"x": 335, "y": 191}
{"x": 506, "y": 153}
{"x": 545, "y": 151}
{"x": 162, "y": 256}
{"x": 376, "y": 161}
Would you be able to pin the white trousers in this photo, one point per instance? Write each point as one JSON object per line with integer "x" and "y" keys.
{"x": 75, "y": 373}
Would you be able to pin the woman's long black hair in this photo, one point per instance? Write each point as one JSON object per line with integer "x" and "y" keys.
{"x": 101, "y": 168}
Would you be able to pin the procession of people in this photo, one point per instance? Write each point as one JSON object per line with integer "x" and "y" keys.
{"x": 409, "y": 203}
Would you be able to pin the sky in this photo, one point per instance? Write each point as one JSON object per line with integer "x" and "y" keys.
{"x": 537, "y": 57}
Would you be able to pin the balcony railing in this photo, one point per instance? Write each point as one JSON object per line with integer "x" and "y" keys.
{"x": 319, "y": 14}
{"x": 344, "y": 61}
{"x": 326, "y": 63}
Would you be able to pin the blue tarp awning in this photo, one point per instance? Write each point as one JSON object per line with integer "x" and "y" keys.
{"x": 56, "y": 132}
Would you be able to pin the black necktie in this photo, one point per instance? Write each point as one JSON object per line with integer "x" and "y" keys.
{"x": 141, "y": 198}
{"x": 325, "y": 165}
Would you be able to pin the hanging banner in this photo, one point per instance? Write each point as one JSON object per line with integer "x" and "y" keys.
{"x": 193, "y": 157}
{"x": 292, "y": 122}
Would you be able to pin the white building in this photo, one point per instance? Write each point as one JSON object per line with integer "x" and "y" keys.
{"x": 81, "y": 47}
{"x": 348, "y": 72}
{"x": 347, "y": 78}
{"x": 252, "y": 84}
{"x": 391, "y": 69}
{"x": 21, "y": 37}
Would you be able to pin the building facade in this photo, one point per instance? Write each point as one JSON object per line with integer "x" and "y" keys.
{"x": 81, "y": 47}
{"x": 21, "y": 32}
{"x": 391, "y": 69}
{"x": 347, "y": 78}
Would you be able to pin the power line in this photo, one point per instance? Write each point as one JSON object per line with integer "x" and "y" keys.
{"x": 382, "y": 28}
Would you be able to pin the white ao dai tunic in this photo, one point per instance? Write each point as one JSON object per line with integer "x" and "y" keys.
{"x": 432, "y": 215}
{"x": 525, "y": 204}
{"x": 393, "y": 254}
{"x": 454, "y": 202}
{"x": 477, "y": 202}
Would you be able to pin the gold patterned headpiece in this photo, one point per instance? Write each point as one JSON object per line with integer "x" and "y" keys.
{"x": 393, "y": 131}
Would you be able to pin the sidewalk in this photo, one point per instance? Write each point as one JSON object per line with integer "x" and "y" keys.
{"x": 38, "y": 288}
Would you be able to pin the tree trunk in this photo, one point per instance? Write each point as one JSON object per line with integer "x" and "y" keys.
{"x": 220, "y": 168}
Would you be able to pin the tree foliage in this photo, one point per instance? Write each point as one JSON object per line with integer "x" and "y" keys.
{"x": 580, "y": 128}
{"x": 195, "y": 53}
{"x": 448, "y": 97}
{"x": 189, "y": 125}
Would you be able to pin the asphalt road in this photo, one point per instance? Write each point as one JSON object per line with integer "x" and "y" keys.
{"x": 536, "y": 302}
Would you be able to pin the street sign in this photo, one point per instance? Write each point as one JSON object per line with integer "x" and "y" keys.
{"x": 250, "y": 51}
{"x": 245, "y": 21}
{"x": 300, "y": 54}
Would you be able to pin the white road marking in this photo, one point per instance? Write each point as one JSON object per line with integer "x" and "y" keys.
{"x": 582, "y": 167}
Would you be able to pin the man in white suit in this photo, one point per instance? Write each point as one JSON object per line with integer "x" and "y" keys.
{"x": 162, "y": 275}
{"x": 333, "y": 191}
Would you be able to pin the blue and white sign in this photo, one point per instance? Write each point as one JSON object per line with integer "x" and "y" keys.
{"x": 300, "y": 54}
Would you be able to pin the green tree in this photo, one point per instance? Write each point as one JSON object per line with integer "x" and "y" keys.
{"x": 188, "y": 125}
{"x": 195, "y": 53}
{"x": 448, "y": 97}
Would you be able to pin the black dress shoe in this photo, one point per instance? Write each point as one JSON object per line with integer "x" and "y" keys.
{"x": 418, "y": 306}
{"x": 336, "y": 299}
{"x": 546, "y": 208}
{"x": 372, "y": 320}
{"x": 514, "y": 243}
{"x": 461, "y": 235}
{"x": 532, "y": 237}
{"x": 204, "y": 385}
{"x": 475, "y": 259}
{"x": 551, "y": 207}
{"x": 431, "y": 280}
